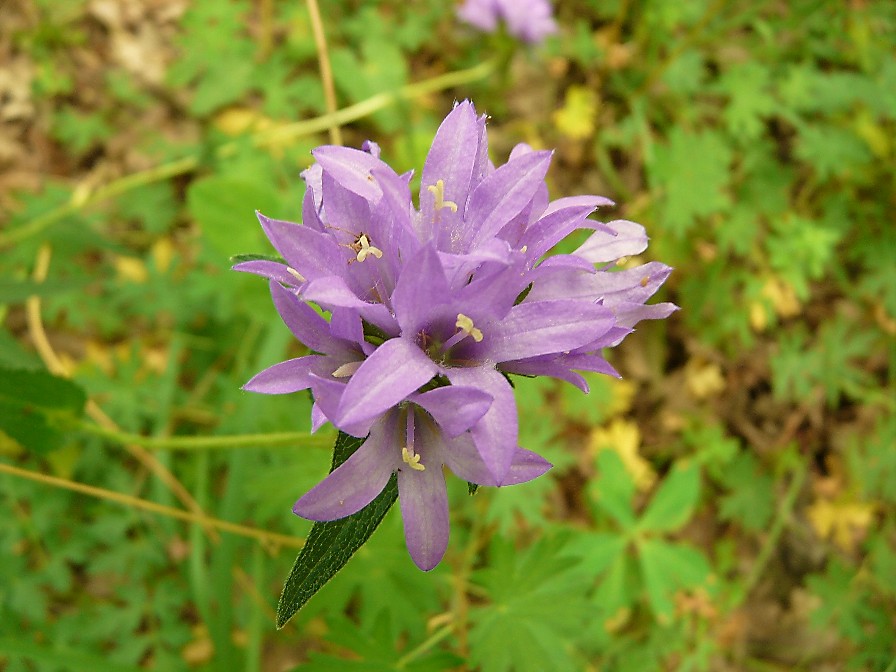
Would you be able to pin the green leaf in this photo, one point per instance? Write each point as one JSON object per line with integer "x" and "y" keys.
{"x": 330, "y": 545}
{"x": 225, "y": 207}
{"x": 60, "y": 658}
{"x": 693, "y": 171}
{"x": 614, "y": 489}
{"x": 240, "y": 258}
{"x": 537, "y": 611}
{"x": 34, "y": 405}
{"x": 666, "y": 568}
{"x": 673, "y": 504}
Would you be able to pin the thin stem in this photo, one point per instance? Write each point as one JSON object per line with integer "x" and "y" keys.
{"x": 55, "y": 365}
{"x": 326, "y": 74}
{"x": 270, "y": 539}
{"x": 282, "y": 134}
{"x": 785, "y": 510}
{"x": 425, "y": 646}
{"x": 194, "y": 443}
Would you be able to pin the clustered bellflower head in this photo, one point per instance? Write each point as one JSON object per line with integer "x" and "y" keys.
{"x": 431, "y": 307}
{"x": 528, "y": 20}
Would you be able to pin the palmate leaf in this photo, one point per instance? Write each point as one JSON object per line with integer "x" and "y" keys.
{"x": 330, "y": 545}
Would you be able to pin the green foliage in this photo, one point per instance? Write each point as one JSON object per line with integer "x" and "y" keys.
{"x": 753, "y": 140}
{"x": 36, "y": 407}
{"x": 331, "y": 544}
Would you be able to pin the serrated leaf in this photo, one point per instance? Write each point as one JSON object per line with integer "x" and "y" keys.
{"x": 693, "y": 171}
{"x": 614, "y": 489}
{"x": 673, "y": 504}
{"x": 35, "y": 405}
{"x": 667, "y": 568}
{"x": 330, "y": 545}
{"x": 225, "y": 209}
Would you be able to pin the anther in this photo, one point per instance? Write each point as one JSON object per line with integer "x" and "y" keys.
{"x": 294, "y": 273}
{"x": 438, "y": 191}
{"x": 465, "y": 324}
{"x": 411, "y": 459}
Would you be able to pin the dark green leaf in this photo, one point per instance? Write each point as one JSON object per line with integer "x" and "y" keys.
{"x": 34, "y": 405}
{"x": 330, "y": 545}
{"x": 240, "y": 258}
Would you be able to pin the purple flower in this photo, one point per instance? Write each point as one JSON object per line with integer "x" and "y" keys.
{"x": 430, "y": 308}
{"x": 528, "y": 20}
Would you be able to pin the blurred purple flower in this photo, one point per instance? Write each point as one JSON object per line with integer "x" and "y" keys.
{"x": 430, "y": 308}
{"x": 528, "y": 20}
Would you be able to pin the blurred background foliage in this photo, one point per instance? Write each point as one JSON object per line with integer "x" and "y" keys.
{"x": 729, "y": 505}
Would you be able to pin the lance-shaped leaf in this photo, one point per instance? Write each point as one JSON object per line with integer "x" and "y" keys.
{"x": 330, "y": 545}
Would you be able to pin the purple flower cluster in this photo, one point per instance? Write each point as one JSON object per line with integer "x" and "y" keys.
{"x": 528, "y": 20}
{"x": 427, "y": 309}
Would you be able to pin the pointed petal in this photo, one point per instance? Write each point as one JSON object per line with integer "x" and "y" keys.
{"x": 311, "y": 253}
{"x": 333, "y": 292}
{"x": 424, "y": 511}
{"x": 356, "y": 482}
{"x": 351, "y": 168}
{"x": 268, "y": 269}
{"x": 463, "y": 459}
{"x": 496, "y": 433}
{"x": 420, "y": 287}
{"x": 454, "y": 408}
{"x": 543, "y": 327}
{"x": 396, "y": 369}
{"x": 302, "y": 320}
{"x": 623, "y": 240}
{"x": 285, "y": 377}
{"x": 546, "y": 367}
{"x": 502, "y": 195}
{"x": 450, "y": 159}
{"x": 526, "y": 466}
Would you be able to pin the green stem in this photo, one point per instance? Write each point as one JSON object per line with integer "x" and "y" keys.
{"x": 425, "y": 646}
{"x": 785, "y": 510}
{"x": 281, "y": 134}
{"x": 193, "y": 443}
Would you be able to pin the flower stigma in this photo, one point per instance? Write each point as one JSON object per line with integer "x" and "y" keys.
{"x": 438, "y": 191}
{"x": 346, "y": 369}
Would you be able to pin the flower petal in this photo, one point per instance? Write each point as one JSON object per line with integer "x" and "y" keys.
{"x": 420, "y": 288}
{"x": 543, "y": 327}
{"x": 526, "y": 466}
{"x": 311, "y": 253}
{"x": 424, "y": 511}
{"x": 502, "y": 196}
{"x": 356, "y": 482}
{"x": 454, "y": 408}
{"x": 351, "y": 168}
{"x": 496, "y": 433}
{"x": 395, "y": 370}
{"x": 285, "y": 377}
{"x": 268, "y": 269}
{"x": 602, "y": 246}
{"x": 305, "y": 324}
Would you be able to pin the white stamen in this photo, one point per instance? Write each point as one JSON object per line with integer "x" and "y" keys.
{"x": 294, "y": 273}
{"x": 465, "y": 324}
{"x": 438, "y": 190}
{"x": 366, "y": 249}
{"x": 411, "y": 459}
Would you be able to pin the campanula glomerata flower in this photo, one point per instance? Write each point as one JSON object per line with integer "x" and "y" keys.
{"x": 528, "y": 20}
{"x": 430, "y": 307}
